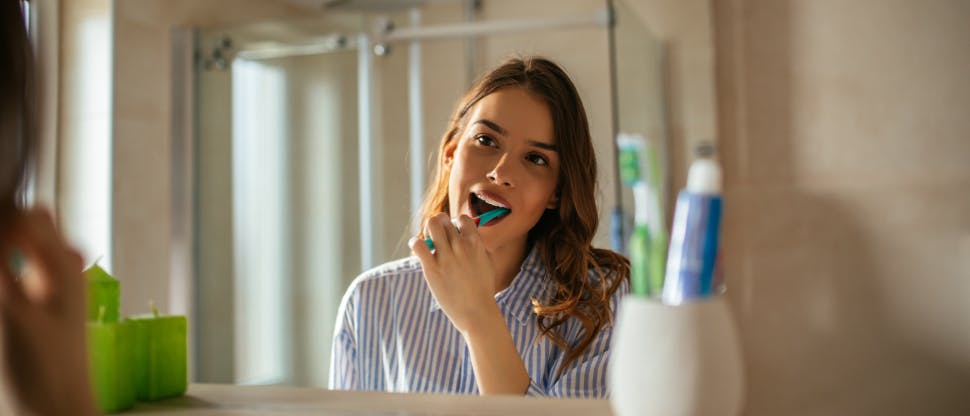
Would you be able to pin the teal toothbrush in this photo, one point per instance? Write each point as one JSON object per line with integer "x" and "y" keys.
{"x": 481, "y": 220}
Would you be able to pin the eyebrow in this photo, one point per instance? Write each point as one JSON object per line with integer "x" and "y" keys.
{"x": 541, "y": 145}
{"x": 492, "y": 125}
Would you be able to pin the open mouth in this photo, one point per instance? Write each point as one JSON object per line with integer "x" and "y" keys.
{"x": 481, "y": 204}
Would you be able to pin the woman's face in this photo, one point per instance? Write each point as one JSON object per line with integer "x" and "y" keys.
{"x": 505, "y": 157}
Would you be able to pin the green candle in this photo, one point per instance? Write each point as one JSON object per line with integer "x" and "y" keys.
{"x": 160, "y": 356}
{"x": 103, "y": 291}
{"x": 111, "y": 354}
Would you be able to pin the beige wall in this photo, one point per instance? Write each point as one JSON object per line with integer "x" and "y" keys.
{"x": 142, "y": 131}
{"x": 685, "y": 31}
{"x": 142, "y": 162}
{"x": 80, "y": 119}
{"x": 845, "y": 142}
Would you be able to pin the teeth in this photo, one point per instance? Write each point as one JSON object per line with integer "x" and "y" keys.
{"x": 491, "y": 201}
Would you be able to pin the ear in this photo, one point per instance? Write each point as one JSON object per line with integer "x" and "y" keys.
{"x": 450, "y": 152}
{"x": 553, "y": 202}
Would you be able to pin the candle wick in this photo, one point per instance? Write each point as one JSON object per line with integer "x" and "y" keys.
{"x": 97, "y": 260}
{"x": 151, "y": 304}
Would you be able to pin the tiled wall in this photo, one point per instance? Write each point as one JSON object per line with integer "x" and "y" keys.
{"x": 846, "y": 146}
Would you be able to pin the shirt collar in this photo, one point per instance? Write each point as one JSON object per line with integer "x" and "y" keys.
{"x": 529, "y": 283}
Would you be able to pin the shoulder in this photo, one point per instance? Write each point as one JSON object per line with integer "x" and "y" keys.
{"x": 391, "y": 273}
{"x": 606, "y": 270}
{"x": 602, "y": 282}
{"x": 375, "y": 290}
{"x": 606, "y": 277}
{"x": 388, "y": 272}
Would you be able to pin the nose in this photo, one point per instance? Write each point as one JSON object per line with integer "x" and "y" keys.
{"x": 501, "y": 174}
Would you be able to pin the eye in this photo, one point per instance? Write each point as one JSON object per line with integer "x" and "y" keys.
{"x": 537, "y": 159}
{"x": 485, "y": 140}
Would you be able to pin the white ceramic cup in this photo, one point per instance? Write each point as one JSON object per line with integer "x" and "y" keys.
{"x": 676, "y": 360}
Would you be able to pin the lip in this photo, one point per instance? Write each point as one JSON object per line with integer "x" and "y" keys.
{"x": 493, "y": 197}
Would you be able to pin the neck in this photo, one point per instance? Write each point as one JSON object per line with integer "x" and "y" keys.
{"x": 507, "y": 261}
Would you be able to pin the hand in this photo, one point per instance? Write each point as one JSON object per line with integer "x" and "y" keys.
{"x": 43, "y": 349}
{"x": 462, "y": 278}
{"x": 459, "y": 273}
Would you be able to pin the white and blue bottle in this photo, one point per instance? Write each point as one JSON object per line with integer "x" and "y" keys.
{"x": 695, "y": 236}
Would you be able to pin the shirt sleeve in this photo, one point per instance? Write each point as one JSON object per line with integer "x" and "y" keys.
{"x": 343, "y": 354}
{"x": 588, "y": 376}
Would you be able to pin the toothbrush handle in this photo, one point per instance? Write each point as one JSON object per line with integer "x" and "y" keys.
{"x": 478, "y": 222}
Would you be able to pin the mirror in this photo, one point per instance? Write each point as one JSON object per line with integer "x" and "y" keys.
{"x": 281, "y": 223}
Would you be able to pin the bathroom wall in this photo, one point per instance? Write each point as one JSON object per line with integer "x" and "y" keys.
{"x": 844, "y": 138}
{"x": 142, "y": 107}
{"x": 142, "y": 228}
{"x": 845, "y": 142}
{"x": 142, "y": 160}
{"x": 75, "y": 165}
{"x": 685, "y": 30}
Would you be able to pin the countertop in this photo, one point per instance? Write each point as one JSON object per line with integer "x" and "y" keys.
{"x": 219, "y": 399}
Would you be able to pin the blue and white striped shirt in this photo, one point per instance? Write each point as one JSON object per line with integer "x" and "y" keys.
{"x": 391, "y": 335}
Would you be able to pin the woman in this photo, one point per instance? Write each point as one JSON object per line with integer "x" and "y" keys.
{"x": 522, "y": 305}
{"x": 43, "y": 359}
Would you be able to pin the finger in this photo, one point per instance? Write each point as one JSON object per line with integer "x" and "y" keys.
{"x": 39, "y": 238}
{"x": 53, "y": 263}
{"x": 429, "y": 263}
{"x": 438, "y": 227}
{"x": 420, "y": 249}
{"x": 469, "y": 231}
{"x": 33, "y": 231}
{"x": 464, "y": 241}
{"x": 12, "y": 295}
{"x": 454, "y": 231}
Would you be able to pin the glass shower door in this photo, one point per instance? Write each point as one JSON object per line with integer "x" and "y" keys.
{"x": 277, "y": 208}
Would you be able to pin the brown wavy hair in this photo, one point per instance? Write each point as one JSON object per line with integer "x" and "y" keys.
{"x": 563, "y": 235}
{"x": 17, "y": 141}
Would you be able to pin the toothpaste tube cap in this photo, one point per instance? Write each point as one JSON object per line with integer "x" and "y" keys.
{"x": 704, "y": 177}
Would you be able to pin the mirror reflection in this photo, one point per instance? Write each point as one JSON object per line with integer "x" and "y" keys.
{"x": 242, "y": 163}
{"x": 318, "y": 141}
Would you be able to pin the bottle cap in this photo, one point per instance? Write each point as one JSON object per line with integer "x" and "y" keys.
{"x": 704, "y": 177}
